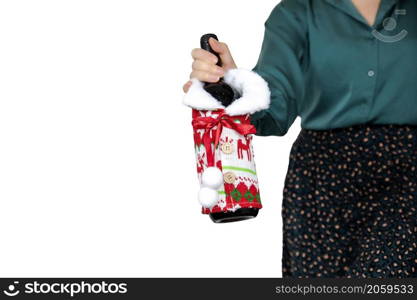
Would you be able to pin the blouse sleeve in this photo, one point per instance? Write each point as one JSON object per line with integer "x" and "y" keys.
{"x": 280, "y": 64}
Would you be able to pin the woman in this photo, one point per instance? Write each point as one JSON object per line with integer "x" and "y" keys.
{"x": 348, "y": 69}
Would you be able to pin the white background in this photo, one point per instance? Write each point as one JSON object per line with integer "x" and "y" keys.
{"x": 97, "y": 166}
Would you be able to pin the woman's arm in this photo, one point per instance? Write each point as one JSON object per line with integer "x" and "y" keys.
{"x": 281, "y": 65}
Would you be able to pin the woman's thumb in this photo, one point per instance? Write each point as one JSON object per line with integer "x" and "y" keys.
{"x": 223, "y": 50}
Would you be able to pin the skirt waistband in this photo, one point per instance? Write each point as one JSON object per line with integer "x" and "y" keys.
{"x": 362, "y": 134}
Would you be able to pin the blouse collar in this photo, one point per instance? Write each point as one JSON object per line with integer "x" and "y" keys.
{"x": 349, "y": 8}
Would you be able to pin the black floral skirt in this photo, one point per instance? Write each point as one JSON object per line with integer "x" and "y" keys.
{"x": 350, "y": 203}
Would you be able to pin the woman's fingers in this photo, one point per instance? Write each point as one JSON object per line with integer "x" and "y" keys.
{"x": 220, "y": 48}
{"x": 223, "y": 50}
{"x": 205, "y": 67}
{"x": 204, "y": 76}
{"x": 200, "y": 54}
{"x": 201, "y": 65}
{"x": 187, "y": 86}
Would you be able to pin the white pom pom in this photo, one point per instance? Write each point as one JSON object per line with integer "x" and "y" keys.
{"x": 208, "y": 197}
{"x": 212, "y": 177}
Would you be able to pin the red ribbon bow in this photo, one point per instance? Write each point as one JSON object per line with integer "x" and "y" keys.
{"x": 207, "y": 123}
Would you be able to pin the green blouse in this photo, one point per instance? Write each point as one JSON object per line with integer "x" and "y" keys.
{"x": 325, "y": 63}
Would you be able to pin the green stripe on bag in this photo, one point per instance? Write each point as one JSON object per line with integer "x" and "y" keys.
{"x": 239, "y": 169}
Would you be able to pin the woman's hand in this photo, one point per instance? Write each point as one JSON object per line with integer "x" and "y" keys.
{"x": 204, "y": 66}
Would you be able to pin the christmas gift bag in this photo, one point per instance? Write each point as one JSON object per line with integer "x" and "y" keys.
{"x": 223, "y": 143}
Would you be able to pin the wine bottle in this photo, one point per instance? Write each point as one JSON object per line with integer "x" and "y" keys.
{"x": 226, "y": 95}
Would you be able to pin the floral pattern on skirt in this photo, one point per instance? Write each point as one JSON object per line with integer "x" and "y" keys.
{"x": 350, "y": 203}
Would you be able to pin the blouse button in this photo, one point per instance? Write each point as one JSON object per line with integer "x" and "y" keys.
{"x": 371, "y": 73}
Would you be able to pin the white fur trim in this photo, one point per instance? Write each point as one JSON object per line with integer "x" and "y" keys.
{"x": 198, "y": 98}
{"x": 208, "y": 197}
{"x": 212, "y": 177}
{"x": 253, "y": 88}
